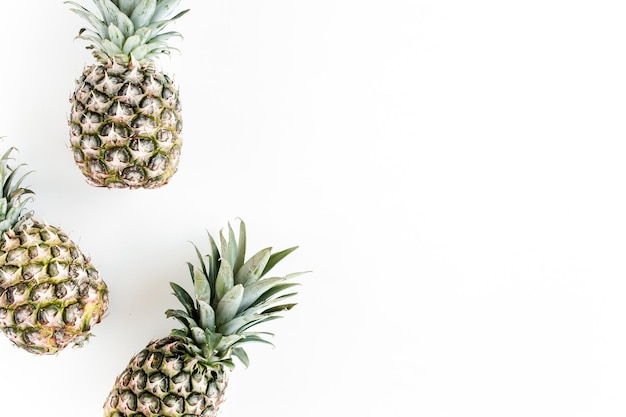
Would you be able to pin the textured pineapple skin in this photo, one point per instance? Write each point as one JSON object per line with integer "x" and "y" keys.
{"x": 125, "y": 125}
{"x": 50, "y": 294}
{"x": 166, "y": 379}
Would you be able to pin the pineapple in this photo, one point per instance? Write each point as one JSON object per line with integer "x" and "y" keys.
{"x": 186, "y": 373}
{"x": 50, "y": 294}
{"x": 125, "y": 123}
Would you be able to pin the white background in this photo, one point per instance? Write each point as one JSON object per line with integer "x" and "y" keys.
{"x": 453, "y": 171}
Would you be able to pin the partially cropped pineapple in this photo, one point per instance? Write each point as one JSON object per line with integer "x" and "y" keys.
{"x": 50, "y": 294}
{"x": 125, "y": 124}
{"x": 186, "y": 373}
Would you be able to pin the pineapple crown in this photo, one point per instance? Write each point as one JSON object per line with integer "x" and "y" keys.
{"x": 128, "y": 30}
{"x": 231, "y": 296}
{"x": 12, "y": 199}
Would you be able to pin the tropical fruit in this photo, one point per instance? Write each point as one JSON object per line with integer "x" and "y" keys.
{"x": 50, "y": 294}
{"x": 125, "y": 123}
{"x": 186, "y": 373}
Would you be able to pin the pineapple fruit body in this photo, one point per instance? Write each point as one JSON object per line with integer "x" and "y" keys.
{"x": 167, "y": 379}
{"x": 50, "y": 294}
{"x": 125, "y": 127}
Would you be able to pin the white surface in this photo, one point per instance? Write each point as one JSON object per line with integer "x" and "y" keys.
{"x": 452, "y": 170}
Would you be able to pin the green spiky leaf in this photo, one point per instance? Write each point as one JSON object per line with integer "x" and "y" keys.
{"x": 225, "y": 280}
{"x": 250, "y": 324}
{"x": 277, "y": 257}
{"x": 251, "y": 270}
{"x": 134, "y": 41}
{"x": 184, "y": 298}
{"x": 99, "y": 25}
{"x": 116, "y": 36}
{"x": 143, "y": 12}
{"x": 228, "y": 342}
{"x": 183, "y": 317}
{"x": 234, "y": 325}
{"x": 229, "y": 248}
{"x": 254, "y": 291}
{"x": 241, "y": 354}
{"x": 259, "y": 337}
{"x": 165, "y": 8}
{"x": 202, "y": 264}
{"x": 241, "y": 249}
{"x": 212, "y": 340}
{"x": 202, "y": 287}
{"x": 206, "y": 316}
{"x": 229, "y": 305}
{"x": 213, "y": 257}
{"x": 125, "y": 6}
{"x": 198, "y": 335}
{"x": 279, "y": 308}
{"x": 265, "y": 300}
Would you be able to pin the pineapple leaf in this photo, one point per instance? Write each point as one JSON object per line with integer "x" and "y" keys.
{"x": 140, "y": 52}
{"x": 256, "y": 322}
{"x": 184, "y": 298}
{"x": 110, "y": 48}
{"x": 229, "y": 305}
{"x": 202, "y": 287}
{"x": 250, "y": 271}
{"x": 125, "y": 24}
{"x": 180, "y": 333}
{"x": 116, "y": 36}
{"x": 279, "y": 288}
{"x": 174, "y": 313}
{"x": 198, "y": 335}
{"x": 241, "y": 354}
{"x": 241, "y": 250}
{"x": 266, "y": 297}
{"x": 276, "y": 309}
{"x": 254, "y": 291}
{"x": 254, "y": 336}
{"x": 7, "y": 183}
{"x": 225, "y": 280}
{"x": 277, "y": 257}
{"x": 17, "y": 186}
{"x": 212, "y": 340}
{"x": 228, "y": 342}
{"x": 296, "y": 274}
{"x": 164, "y": 8}
{"x": 132, "y": 42}
{"x": 207, "y": 316}
{"x": 214, "y": 257}
{"x": 229, "y": 248}
{"x": 191, "y": 268}
{"x": 91, "y": 36}
{"x": 184, "y": 318}
{"x": 6, "y": 155}
{"x": 125, "y": 6}
{"x": 98, "y": 25}
{"x": 154, "y": 50}
{"x": 228, "y": 363}
{"x": 13, "y": 214}
{"x": 112, "y": 14}
{"x": 201, "y": 259}
{"x": 262, "y": 307}
{"x": 231, "y": 234}
{"x": 237, "y": 323}
{"x": 144, "y": 10}
{"x": 144, "y": 34}
{"x": 257, "y": 337}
